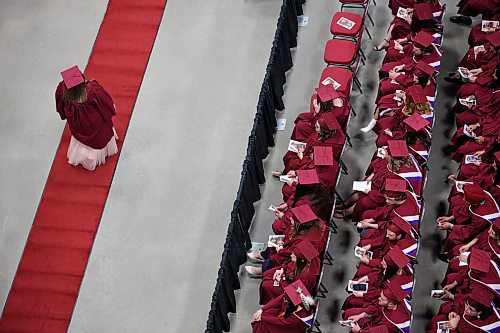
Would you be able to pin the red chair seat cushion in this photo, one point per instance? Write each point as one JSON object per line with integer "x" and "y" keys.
{"x": 341, "y": 75}
{"x": 340, "y": 51}
{"x": 336, "y": 29}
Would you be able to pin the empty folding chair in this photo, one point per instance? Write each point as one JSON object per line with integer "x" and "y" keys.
{"x": 344, "y": 53}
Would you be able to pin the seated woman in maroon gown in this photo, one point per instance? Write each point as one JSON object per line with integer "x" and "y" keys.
{"x": 88, "y": 109}
{"x": 304, "y": 265}
{"x": 291, "y": 312}
{"x": 325, "y": 99}
{"x": 470, "y": 313}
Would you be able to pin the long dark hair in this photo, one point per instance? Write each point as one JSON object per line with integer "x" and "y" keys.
{"x": 300, "y": 265}
{"x": 325, "y": 107}
{"x": 319, "y": 197}
{"x": 76, "y": 94}
{"x": 389, "y": 272}
{"x": 418, "y": 25}
{"x": 412, "y": 137}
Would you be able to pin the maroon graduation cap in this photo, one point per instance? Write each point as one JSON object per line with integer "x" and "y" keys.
{"x": 304, "y": 213}
{"x": 416, "y": 122}
{"x": 294, "y": 290}
{"x": 398, "y": 148}
{"x": 480, "y": 260}
{"x": 417, "y": 94}
{"x": 423, "y": 38}
{"x": 72, "y": 77}
{"x": 394, "y": 186}
{"x": 397, "y": 256}
{"x": 309, "y": 176}
{"x": 307, "y": 250}
{"x": 423, "y": 11}
{"x": 323, "y": 155}
{"x": 394, "y": 293}
{"x": 398, "y": 225}
{"x": 494, "y": 38}
{"x": 423, "y": 69}
{"x": 326, "y": 93}
{"x": 329, "y": 121}
{"x": 482, "y": 296}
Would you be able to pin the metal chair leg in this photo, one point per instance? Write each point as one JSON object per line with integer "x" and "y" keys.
{"x": 345, "y": 171}
{"x": 368, "y": 32}
{"x": 370, "y": 18}
{"x": 354, "y": 114}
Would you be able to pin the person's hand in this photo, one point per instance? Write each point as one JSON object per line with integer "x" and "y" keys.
{"x": 300, "y": 154}
{"x": 397, "y": 46}
{"x": 365, "y": 259}
{"x": 257, "y": 315}
{"x": 291, "y": 181}
{"x": 367, "y": 247}
{"x": 365, "y": 224}
{"x": 401, "y": 94}
{"x": 477, "y": 163}
{"x": 291, "y": 173}
{"x": 479, "y": 140}
{"x": 388, "y": 132}
{"x": 400, "y": 40}
{"x": 445, "y": 226}
{"x": 444, "y": 219}
{"x": 479, "y": 152}
{"x": 277, "y": 274}
{"x": 452, "y": 177}
{"x": 279, "y": 214}
{"x": 454, "y": 322}
{"x": 363, "y": 279}
{"x": 464, "y": 248}
{"x": 476, "y": 71}
{"x": 358, "y": 294}
{"x": 393, "y": 74}
{"x": 450, "y": 286}
{"x": 452, "y": 315}
{"x": 398, "y": 68}
{"x": 316, "y": 106}
{"x": 356, "y": 318}
{"x": 282, "y": 207}
{"x": 355, "y": 328}
{"x": 473, "y": 127}
{"x": 472, "y": 79}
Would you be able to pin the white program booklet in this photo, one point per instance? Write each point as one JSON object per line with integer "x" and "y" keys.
{"x": 285, "y": 178}
{"x": 403, "y": 13}
{"x": 464, "y": 72}
{"x": 348, "y": 323}
{"x": 331, "y": 81}
{"x": 437, "y": 293}
{"x": 272, "y": 208}
{"x": 468, "y": 132}
{"x": 275, "y": 240}
{"x": 489, "y": 26}
{"x": 477, "y": 49}
{"x": 468, "y": 102}
{"x": 360, "y": 252}
{"x": 303, "y": 20}
{"x": 469, "y": 159}
{"x": 460, "y": 185}
{"x": 346, "y": 23}
{"x": 442, "y": 327}
{"x": 361, "y": 186}
{"x": 294, "y": 146}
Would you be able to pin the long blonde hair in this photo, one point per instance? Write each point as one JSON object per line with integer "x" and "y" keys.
{"x": 421, "y": 108}
{"x": 395, "y": 163}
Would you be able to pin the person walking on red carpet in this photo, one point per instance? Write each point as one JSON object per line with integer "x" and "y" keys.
{"x": 88, "y": 109}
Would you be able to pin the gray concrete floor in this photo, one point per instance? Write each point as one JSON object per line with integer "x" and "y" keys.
{"x": 156, "y": 255}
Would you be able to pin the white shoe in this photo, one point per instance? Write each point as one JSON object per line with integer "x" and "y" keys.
{"x": 251, "y": 256}
{"x": 252, "y": 271}
{"x": 370, "y": 126}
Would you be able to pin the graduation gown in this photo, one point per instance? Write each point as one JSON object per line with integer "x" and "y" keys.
{"x": 273, "y": 321}
{"x": 89, "y": 122}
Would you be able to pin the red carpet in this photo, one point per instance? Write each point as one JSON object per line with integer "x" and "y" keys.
{"x": 51, "y": 270}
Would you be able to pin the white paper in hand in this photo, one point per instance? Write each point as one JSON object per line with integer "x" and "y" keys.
{"x": 272, "y": 208}
{"x": 459, "y": 185}
{"x": 403, "y": 13}
{"x": 469, "y": 159}
{"x": 361, "y": 186}
{"x": 489, "y": 26}
{"x": 468, "y": 132}
{"x": 281, "y": 122}
{"x": 294, "y": 146}
{"x": 285, "y": 178}
{"x": 442, "y": 327}
{"x": 303, "y": 20}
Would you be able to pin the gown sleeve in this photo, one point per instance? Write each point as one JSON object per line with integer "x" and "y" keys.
{"x": 59, "y": 100}
{"x": 103, "y": 101}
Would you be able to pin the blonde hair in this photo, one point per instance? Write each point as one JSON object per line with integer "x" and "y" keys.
{"x": 421, "y": 108}
{"x": 395, "y": 163}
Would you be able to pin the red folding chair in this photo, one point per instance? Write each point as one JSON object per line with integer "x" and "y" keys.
{"x": 346, "y": 54}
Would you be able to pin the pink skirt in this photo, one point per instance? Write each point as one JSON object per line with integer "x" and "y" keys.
{"x": 88, "y": 157}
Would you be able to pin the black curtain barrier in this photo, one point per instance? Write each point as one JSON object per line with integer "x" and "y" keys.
{"x": 261, "y": 138}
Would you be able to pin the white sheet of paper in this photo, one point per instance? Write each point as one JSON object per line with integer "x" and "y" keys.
{"x": 303, "y": 20}
{"x": 469, "y": 159}
{"x": 441, "y": 328}
{"x": 281, "y": 124}
{"x": 489, "y": 26}
{"x": 459, "y": 185}
{"x": 258, "y": 247}
{"x": 272, "y": 208}
{"x": 469, "y": 133}
{"x": 294, "y": 146}
{"x": 361, "y": 186}
{"x": 402, "y": 13}
{"x": 285, "y": 178}
{"x": 346, "y": 23}
{"x": 329, "y": 80}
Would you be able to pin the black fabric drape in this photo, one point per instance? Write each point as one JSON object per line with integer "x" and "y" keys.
{"x": 261, "y": 138}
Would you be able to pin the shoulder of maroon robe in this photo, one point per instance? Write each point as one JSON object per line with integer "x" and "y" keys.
{"x": 337, "y": 138}
{"x": 275, "y": 303}
{"x": 102, "y": 99}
